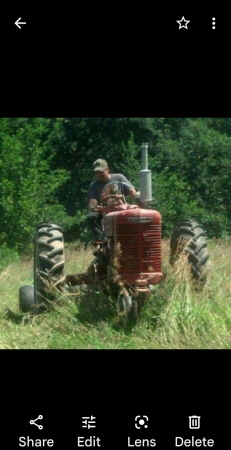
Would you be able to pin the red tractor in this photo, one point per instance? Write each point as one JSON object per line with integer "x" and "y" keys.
{"x": 127, "y": 260}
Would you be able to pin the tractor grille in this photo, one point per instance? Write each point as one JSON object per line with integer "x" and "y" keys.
{"x": 139, "y": 247}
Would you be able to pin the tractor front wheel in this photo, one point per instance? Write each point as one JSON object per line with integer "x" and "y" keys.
{"x": 131, "y": 305}
{"x": 26, "y": 299}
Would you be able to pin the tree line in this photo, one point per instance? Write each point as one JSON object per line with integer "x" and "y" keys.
{"x": 46, "y": 168}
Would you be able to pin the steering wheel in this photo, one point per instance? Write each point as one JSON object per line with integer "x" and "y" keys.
{"x": 113, "y": 194}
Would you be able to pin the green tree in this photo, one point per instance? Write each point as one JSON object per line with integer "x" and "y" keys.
{"x": 27, "y": 186}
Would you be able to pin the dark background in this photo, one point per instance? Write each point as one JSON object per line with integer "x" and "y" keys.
{"x": 114, "y": 387}
{"x": 181, "y": 79}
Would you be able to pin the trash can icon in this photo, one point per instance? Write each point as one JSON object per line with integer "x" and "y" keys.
{"x": 194, "y": 422}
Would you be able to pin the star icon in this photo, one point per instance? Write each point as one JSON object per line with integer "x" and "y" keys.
{"x": 183, "y": 23}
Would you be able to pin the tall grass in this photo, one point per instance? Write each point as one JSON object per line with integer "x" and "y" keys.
{"x": 174, "y": 316}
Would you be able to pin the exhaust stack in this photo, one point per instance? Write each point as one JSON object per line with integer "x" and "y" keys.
{"x": 145, "y": 179}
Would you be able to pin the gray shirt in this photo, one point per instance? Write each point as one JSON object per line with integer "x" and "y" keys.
{"x": 96, "y": 186}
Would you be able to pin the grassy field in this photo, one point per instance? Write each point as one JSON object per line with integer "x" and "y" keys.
{"x": 174, "y": 317}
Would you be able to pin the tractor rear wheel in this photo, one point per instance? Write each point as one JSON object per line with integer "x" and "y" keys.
{"x": 48, "y": 262}
{"x": 189, "y": 238}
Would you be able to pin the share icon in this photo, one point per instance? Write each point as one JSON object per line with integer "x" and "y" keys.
{"x": 33, "y": 422}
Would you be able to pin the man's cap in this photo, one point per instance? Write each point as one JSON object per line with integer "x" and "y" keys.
{"x": 100, "y": 165}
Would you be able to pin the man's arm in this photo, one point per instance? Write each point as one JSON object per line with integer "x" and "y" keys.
{"x": 92, "y": 195}
{"x": 132, "y": 193}
{"x": 92, "y": 203}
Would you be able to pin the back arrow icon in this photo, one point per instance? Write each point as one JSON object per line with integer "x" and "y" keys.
{"x": 19, "y": 23}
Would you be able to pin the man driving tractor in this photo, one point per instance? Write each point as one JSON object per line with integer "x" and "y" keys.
{"x": 103, "y": 178}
